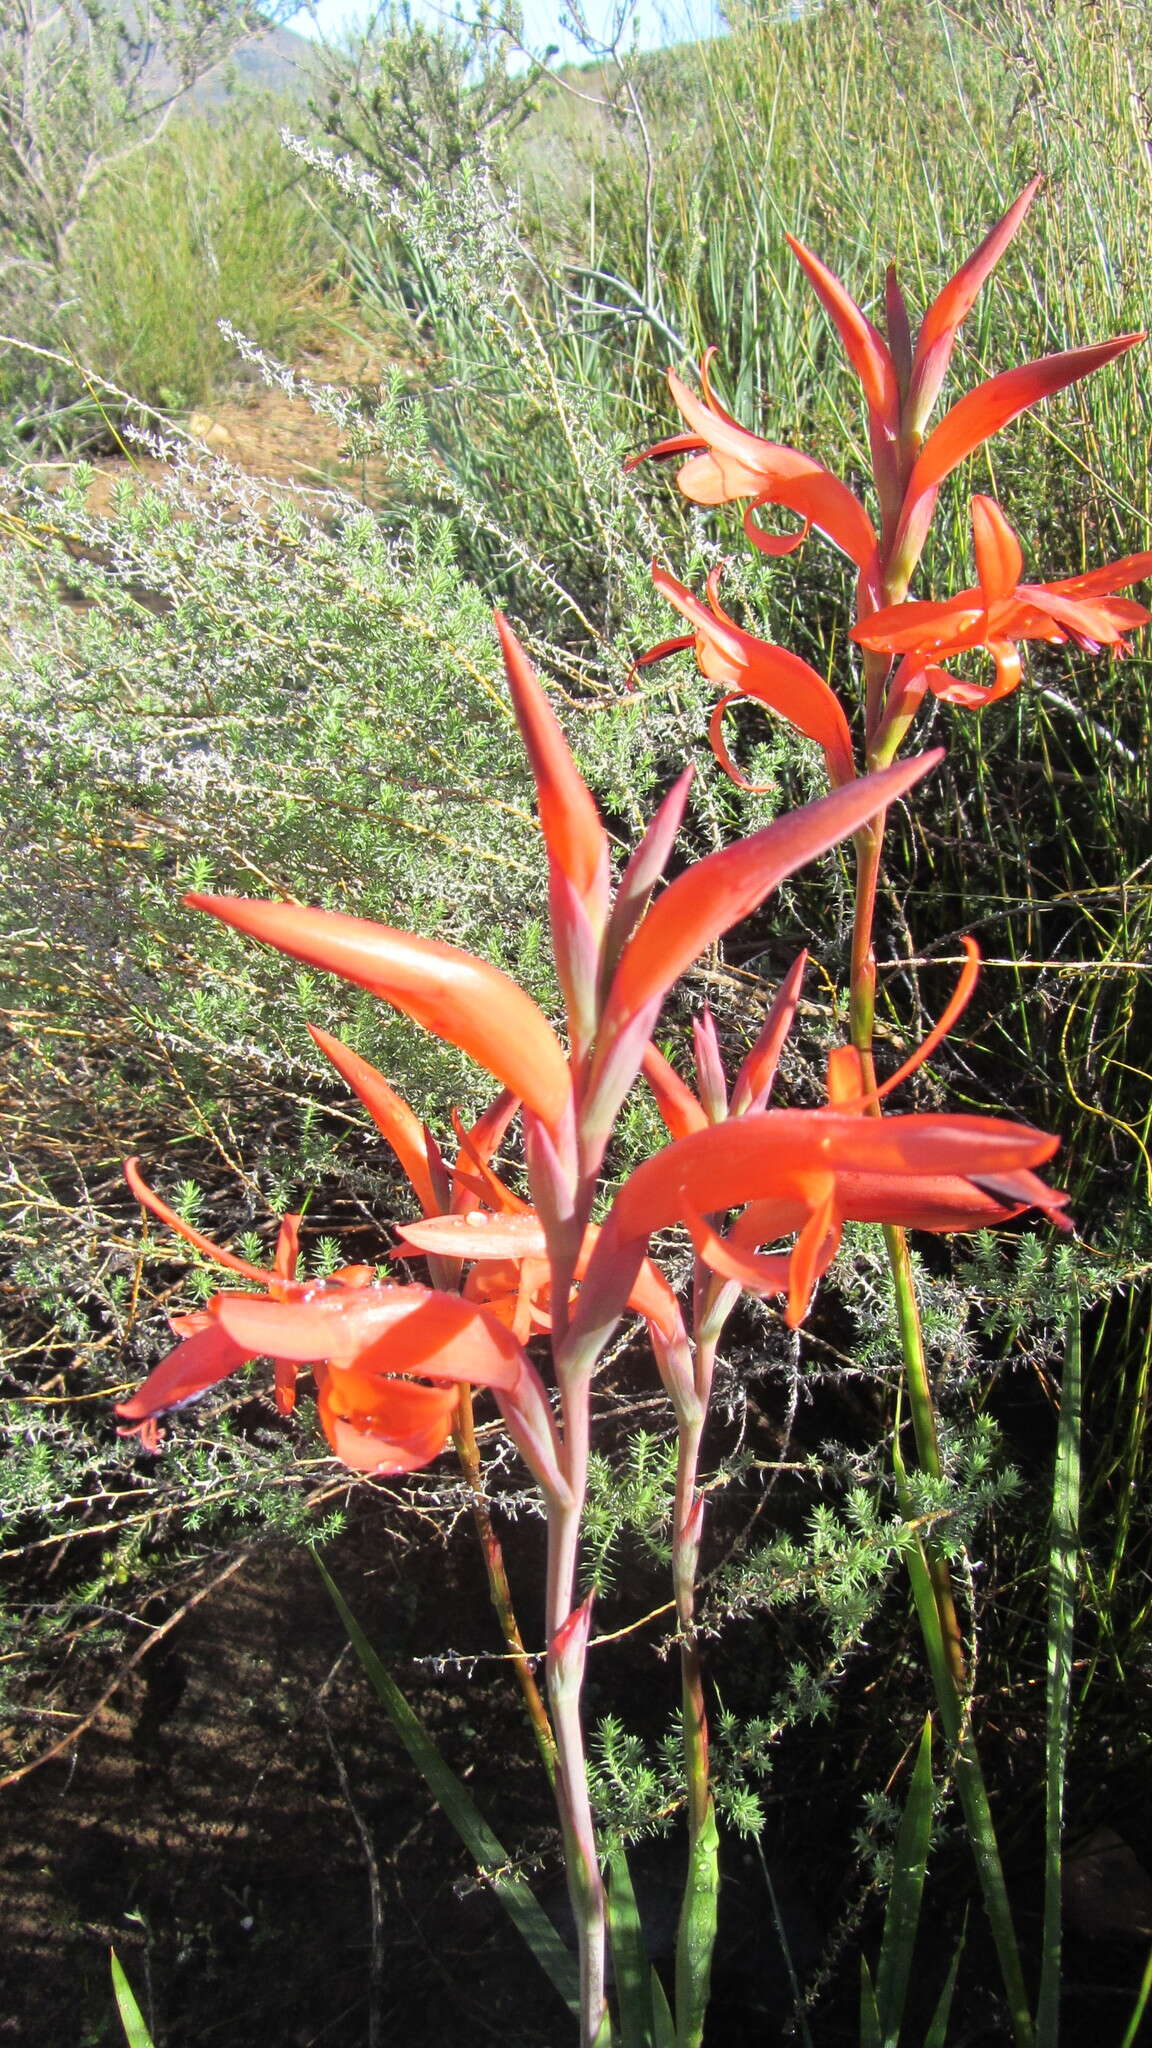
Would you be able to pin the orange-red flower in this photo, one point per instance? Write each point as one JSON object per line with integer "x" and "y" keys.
{"x": 750, "y": 667}
{"x": 1002, "y": 610}
{"x": 811, "y": 1171}
{"x": 362, "y": 1341}
{"x": 813, "y": 1193}
{"x": 726, "y": 462}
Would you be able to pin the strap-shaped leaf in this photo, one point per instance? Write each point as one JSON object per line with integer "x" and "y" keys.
{"x": 696, "y": 1935}
{"x": 902, "y": 1917}
{"x": 629, "y": 1957}
{"x": 457, "y": 1804}
{"x": 131, "y": 2018}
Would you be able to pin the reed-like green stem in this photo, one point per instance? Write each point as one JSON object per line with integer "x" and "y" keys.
{"x": 928, "y": 1567}
{"x": 567, "y": 1652}
{"x": 499, "y": 1589}
{"x": 696, "y": 1933}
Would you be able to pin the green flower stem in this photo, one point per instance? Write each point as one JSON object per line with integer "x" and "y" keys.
{"x": 696, "y": 1933}
{"x": 869, "y": 842}
{"x": 971, "y": 1789}
{"x": 499, "y": 1590}
{"x": 923, "y": 1413}
{"x": 565, "y": 1679}
{"x": 927, "y": 1565}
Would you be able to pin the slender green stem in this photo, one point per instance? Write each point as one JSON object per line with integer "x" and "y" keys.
{"x": 1062, "y": 1559}
{"x": 928, "y": 1567}
{"x": 499, "y": 1589}
{"x": 696, "y": 1933}
{"x": 923, "y": 1412}
{"x": 971, "y": 1789}
{"x": 565, "y": 1679}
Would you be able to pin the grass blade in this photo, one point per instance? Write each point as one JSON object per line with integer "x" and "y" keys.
{"x": 1061, "y": 1628}
{"x": 799, "y": 2015}
{"x": 937, "y": 2035}
{"x": 629, "y": 1957}
{"x": 516, "y": 1897}
{"x": 1132, "y": 2030}
{"x": 902, "y": 1917}
{"x": 131, "y": 2018}
{"x": 663, "y": 2024}
{"x": 870, "y": 2034}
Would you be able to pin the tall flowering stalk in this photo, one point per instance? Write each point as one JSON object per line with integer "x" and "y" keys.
{"x": 395, "y": 1366}
{"x": 903, "y": 643}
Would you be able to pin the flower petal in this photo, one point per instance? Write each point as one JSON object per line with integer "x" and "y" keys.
{"x": 575, "y": 838}
{"x": 198, "y": 1363}
{"x": 148, "y": 1200}
{"x": 450, "y": 992}
{"x": 389, "y": 1112}
{"x": 952, "y": 305}
{"x": 864, "y": 345}
{"x": 406, "y": 1426}
{"x": 982, "y": 413}
{"x": 999, "y": 561}
{"x": 378, "y": 1329}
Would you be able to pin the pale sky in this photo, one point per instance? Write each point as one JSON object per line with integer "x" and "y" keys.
{"x": 658, "y": 21}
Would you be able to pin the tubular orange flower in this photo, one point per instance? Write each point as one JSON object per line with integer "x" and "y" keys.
{"x": 357, "y": 1336}
{"x": 450, "y": 992}
{"x": 727, "y": 462}
{"x": 807, "y": 1169}
{"x": 361, "y": 1342}
{"x": 816, "y": 1202}
{"x": 751, "y": 667}
{"x": 1001, "y": 611}
{"x": 205, "y": 1356}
